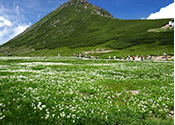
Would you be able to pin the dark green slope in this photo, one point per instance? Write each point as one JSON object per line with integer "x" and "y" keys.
{"x": 78, "y": 23}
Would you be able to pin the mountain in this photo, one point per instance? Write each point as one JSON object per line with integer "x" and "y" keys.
{"x": 78, "y": 26}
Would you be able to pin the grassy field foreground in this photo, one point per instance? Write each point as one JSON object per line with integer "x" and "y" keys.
{"x": 74, "y": 91}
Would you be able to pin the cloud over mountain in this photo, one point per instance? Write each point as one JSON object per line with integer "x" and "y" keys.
{"x": 9, "y": 29}
{"x": 11, "y": 23}
{"x": 165, "y": 12}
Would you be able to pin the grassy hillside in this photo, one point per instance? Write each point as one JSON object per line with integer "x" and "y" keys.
{"x": 81, "y": 25}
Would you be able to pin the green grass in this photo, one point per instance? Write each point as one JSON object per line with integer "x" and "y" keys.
{"x": 74, "y": 91}
{"x": 142, "y": 49}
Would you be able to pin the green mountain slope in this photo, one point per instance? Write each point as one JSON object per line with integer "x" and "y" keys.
{"x": 79, "y": 24}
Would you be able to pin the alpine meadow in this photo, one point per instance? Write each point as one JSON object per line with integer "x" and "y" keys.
{"x": 80, "y": 65}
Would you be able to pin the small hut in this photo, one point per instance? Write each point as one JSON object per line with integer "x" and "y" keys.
{"x": 171, "y": 23}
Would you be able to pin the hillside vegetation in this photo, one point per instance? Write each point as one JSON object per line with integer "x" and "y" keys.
{"x": 79, "y": 24}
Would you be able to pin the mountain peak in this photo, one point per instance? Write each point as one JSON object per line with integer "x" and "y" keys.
{"x": 85, "y": 6}
{"x": 79, "y": 1}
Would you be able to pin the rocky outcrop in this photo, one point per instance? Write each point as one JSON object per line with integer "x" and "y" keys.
{"x": 79, "y": 1}
{"x": 87, "y": 6}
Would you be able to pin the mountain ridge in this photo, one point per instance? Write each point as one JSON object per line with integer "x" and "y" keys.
{"x": 99, "y": 11}
{"x": 78, "y": 23}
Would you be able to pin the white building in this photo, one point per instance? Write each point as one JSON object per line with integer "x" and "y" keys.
{"x": 171, "y": 23}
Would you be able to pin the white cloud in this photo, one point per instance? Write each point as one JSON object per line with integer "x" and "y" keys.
{"x": 11, "y": 23}
{"x": 4, "y": 22}
{"x": 17, "y": 10}
{"x": 165, "y": 12}
{"x": 3, "y": 32}
{"x": 19, "y": 29}
{"x": 1, "y": 8}
{"x": 9, "y": 32}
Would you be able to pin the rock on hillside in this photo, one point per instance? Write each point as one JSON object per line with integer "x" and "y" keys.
{"x": 85, "y": 5}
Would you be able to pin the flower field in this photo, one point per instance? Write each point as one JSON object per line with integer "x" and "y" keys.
{"x": 75, "y": 91}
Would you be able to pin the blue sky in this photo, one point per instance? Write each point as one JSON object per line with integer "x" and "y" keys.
{"x": 17, "y": 15}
